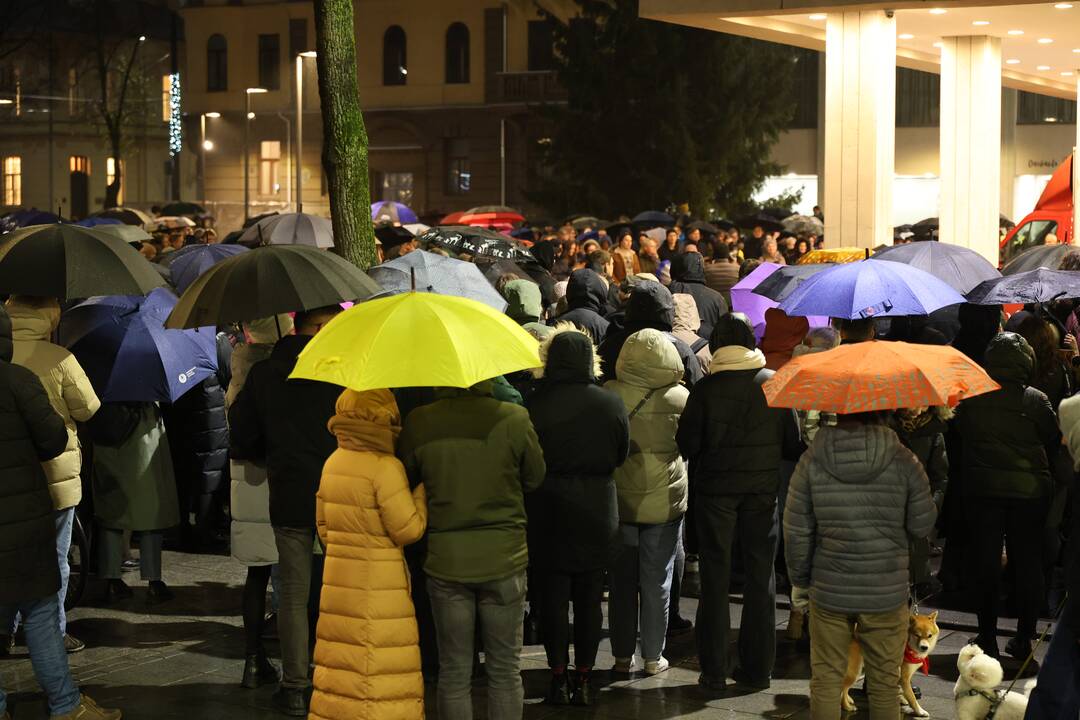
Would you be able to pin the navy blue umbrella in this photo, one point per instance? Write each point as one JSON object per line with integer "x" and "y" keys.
{"x": 96, "y": 220}
{"x": 187, "y": 264}
{"x": 958, "y": 267}
{"x": 129, "y": 356}
{"x": 653, "y": 218}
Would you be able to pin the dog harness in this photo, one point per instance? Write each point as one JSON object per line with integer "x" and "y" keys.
{"x": 995, "y": 698}
{"x": 910, "y": 658}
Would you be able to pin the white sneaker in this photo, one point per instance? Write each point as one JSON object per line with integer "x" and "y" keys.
{"x": 655, "y": 667}
{"x": 624, "y": 666}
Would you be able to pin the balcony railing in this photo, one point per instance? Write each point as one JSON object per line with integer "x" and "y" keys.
{"x": 536, "y": 86}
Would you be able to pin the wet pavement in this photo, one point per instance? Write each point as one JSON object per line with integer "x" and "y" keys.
{"x": 183, "y": 659}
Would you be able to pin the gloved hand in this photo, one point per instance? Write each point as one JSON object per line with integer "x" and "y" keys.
{"x": 800, "y": 599}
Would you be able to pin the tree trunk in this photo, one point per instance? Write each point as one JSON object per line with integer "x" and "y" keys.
{"x": 345, "y": 142}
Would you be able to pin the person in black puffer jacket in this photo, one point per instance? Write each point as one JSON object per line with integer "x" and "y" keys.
{"x": 735, "y": 443}
{"x": 688, "y": 276}
{"x": 650, "y": 306}
{"x": 586, "y": 298}
{"x": 199, "y": 440}
{"x": 574, "y": 520}
{"x": 1009, "y": 436}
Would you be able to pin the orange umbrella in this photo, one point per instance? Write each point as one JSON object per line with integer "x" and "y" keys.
{"x": 877, "y": 375}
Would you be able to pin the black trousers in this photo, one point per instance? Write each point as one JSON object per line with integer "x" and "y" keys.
{"x": 1018, "y": 524}
{"x": 586, "y": 591}
{"x": 752, "y": 520}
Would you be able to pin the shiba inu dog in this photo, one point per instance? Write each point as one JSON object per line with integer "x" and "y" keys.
{"x": 922, "y": 637}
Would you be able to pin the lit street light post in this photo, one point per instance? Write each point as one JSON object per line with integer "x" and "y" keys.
{"x": 247, "y": 130}
{"x": 204, "y": 145}
{"x": 300, "y": 127}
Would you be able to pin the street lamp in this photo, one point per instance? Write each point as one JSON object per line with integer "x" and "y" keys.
{"x": 204, "y": 145}
{"x": 300, "y": 127}
{"x": 248, "y": 92}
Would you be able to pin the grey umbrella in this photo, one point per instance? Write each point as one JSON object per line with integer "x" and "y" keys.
{"x": 437, "y": 274}
{"x": 290, "y": 229}
{"x": 799, "y": 224}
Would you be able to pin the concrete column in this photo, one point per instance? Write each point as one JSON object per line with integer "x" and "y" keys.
{"x": 1076, "y": 174}
{"x": 971, "y": 143}
{"x": 819, "y": 134}
{"x": 860, "y": 119}
{"x": 1008, "y": 151}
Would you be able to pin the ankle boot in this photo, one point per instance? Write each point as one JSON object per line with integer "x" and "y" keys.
{"x": 258, "y": 671}
{"x": 559, "y": 694}
{"x": 582, "y": 691}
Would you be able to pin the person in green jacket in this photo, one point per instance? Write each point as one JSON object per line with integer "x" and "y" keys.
{"x": 477, "y": 456}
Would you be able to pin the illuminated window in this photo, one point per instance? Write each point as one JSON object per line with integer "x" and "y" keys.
{"x": 13, "y": 180}
{"x": 110, "y": 175}
{"x": 269, "y": 159}
{"x": 79, "y": 164}
{"x": 166, "y": 98}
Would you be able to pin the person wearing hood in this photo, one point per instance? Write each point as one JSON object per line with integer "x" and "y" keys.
{"x": 477, "y": 457}
{"x": 33, "y": 322}
{"x": 586, "y": 300}
{"x": 686, "y": 326}
{"x": 251, "y": 534}
{"x": 651, "y": 487}
{"x": 856, "y": 571}
{"x": 734, "y": 443}
{"x": 33, "y": 434}
{"x": 283, "y": 423}
{"x": 1053, "y": 375}
{"x": 524, "y": 306}
{"x": 367, "y": 653}
{"x": 1008, "y": 436}
{"x": 688, "y": 276}
{"x": 574, "y": 516}
{"x": 650, "y": 306}
{"x": 782, "y": 335}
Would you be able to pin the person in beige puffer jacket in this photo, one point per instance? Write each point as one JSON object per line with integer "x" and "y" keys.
{"x": 33, "y": 321}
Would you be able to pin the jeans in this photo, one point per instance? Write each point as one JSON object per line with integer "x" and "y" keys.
{"x": 294, "y": 561}
{"x": 112, "y": 554}
{"x": 501, "y": 607}
{"x": 644, "y": 566}
{"x": 751, "y": 521}
{"x": 1057, "y": 694}
{"x": 64, "y": 521}
{"x": 586, "y": 590}
{"x": 881, "y": 636}
{"x": 47, "y": 655}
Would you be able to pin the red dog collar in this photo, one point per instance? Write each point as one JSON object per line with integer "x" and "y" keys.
{"x": 910, "y": 658}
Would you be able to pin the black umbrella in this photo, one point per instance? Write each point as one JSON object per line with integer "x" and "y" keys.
{"x": 766, "y": 222}
{"x": 580, "y": 222}
{"x": 69, "y": 261}
{"x": 494, "y": 268}
{"x": 785, "y": 279}
{"x": 653, "y": 218}
{"x": 725, "y": 225}
{"x": 182, "y": 207}
{"x": 1034, "y": 286}
{"x": 267, "y": 281}
{"x": 475, "y": 241}
{"x": 703, "y": 226}
{"x": 1041, "y": 256}
{"x": 128, "y": 216}
{"x": 261, "y": 216}
{"x": 777, "y": 213}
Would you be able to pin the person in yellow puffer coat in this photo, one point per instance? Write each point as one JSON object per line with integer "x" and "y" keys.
{"x": 367, "y": 653}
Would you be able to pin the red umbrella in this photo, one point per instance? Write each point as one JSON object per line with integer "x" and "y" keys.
{"x": 485, "y": 219}
{"x": 453, "y": 218}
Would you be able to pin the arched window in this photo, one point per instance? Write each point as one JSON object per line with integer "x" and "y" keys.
{"x": 217, "y": 64}
{"x": 457, "y": 54}
{"x": 394, "y": 60}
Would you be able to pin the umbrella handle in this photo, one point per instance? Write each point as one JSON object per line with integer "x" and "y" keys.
{"x": 412, "y": 278}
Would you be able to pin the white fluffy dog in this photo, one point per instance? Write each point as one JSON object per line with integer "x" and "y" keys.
{"x": 976, "y": 690}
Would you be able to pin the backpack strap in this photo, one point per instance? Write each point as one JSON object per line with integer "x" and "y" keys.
{"x": 640, "y": 404}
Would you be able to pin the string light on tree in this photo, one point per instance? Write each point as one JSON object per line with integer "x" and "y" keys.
{"x": 176, "y": 141}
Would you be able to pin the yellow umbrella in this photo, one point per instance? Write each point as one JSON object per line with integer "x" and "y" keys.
{"x": 417, "y": 339}
{"x": 834, "y": 255}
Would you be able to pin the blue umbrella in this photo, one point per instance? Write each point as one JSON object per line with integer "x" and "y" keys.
{"x": 870, "y": 288}
{"x": 437, "y": 274}
{"x": 187, "y": 264}
{"x": 127, "y": 353}
{"x": 1034, "y": 286}
{"x": 653, "y": 218}
{"x": 33, "y": 216}
{"x": 959, "y": 267}
{"x": 392, "y": 212}
{"x": 97, "y": 220}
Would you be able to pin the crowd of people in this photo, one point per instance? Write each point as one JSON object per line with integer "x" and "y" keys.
{"x": 404, "y": 531}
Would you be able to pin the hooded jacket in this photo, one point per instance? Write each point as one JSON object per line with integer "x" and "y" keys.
{"x": 856, "y": 496}
{"x": 686, "y": 326}
{"x": 199, "y": 437}
{"x": 721, "y": 276}
{"x": 733, "y": 440}
{"x": 1008, "y": 435}
{"x": 524, "y": 306}
{"x": 69, "y": 390}
{"x": 584, "y": 433}
{"x": 688, "y": 276}
{"x": 586, "y": 300}
{"x": 367, "y": 654}
{"x": 30, "y": 433}
{"x": 650, "y": 306}
{"x": 782, "y": 335}
{"x": 282, "y": 423}
{"x": 477, "y": 457}
{"x": 652, "y": 483}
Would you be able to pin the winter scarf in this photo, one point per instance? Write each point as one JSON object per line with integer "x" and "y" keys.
{"x": 736, "y": 357}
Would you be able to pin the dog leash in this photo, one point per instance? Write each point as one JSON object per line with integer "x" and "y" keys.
{"x": 1038, "y": 641}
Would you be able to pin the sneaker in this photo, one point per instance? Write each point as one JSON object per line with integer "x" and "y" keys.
{"x": 129, "y": 565}
{"x": 655, "y": 667}
{"x": 73, "y": 645}
{"x": 89, "y": 710}
{"x": 623, "y": 666}
{"x": 1018, "y": 647}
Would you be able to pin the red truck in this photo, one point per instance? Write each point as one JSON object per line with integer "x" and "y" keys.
{"x": 1053, "y": 214}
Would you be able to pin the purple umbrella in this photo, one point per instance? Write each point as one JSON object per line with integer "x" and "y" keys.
{"x": 870, "y": 288}
{"x": 187, "y": 264}
{"x": 392, "y": 212}
{"x": 746, "y": 301}
{"x": 122, "y": 344}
